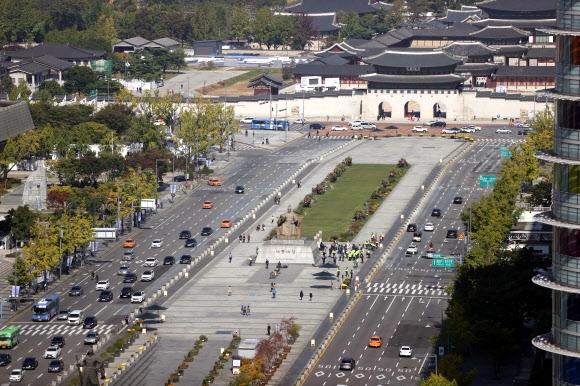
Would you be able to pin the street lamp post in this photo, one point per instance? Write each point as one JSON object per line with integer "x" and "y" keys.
{"x": 156, "y": 171}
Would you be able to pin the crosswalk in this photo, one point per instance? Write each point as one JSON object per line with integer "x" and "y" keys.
{"x": 406, "y": 289}
{"x": 58, "y": 328}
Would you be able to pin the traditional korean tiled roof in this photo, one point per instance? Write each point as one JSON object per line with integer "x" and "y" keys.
{"x": 267, "y": 76}
{"x": 453, "y": 16}
{"x": 365, "y": 44}
{"x": 166, "y": 42}
{"x": 342, "y": 46}
{"x": 39, "y": 64}
{"x": 331, "y": 60}
{"x": 324, "y": 23}
{"x": 507, "y": 32}
{"x": 467, "y": 49}
{"x": 522, "y": 71}
{"x": 344, "y": 70}
{"x": 59, "y": 50}
{"x": 522, "y": 24}
{"x": 394, "y": 37}
{"x": 511, "y": 50}
{"x": 541, "y": 52}
{"x": 412, "y": 58}
{"x": 518, "y": 5}
{"x": 476, "y": 68}
{"x": 330, "y": 6}
{"x": 415, "y": 79}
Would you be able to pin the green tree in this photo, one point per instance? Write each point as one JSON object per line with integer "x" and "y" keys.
{"x": 52, "y": 87}
{"x": 165, "y": 59}
{"x": 542, "y": 137}
{"x": 18, "y": 148}
{"x": 80, "y": 79}
{"x": 417, "y": 9}
{"x": 117, "y": 117}
{"x": 280, "y": 31}
{"x": 240, "y": 27}
{"x": 63, "y": 14}
{"x": 450, "y": 368}
{"x": 224, "y": 123}
{"x": 166, "y": 106}
{"x": 146, "y": 133}
{"x": 541, "y": 194}
{"x": 6, "y": 84}
{"x": 42, "y": 252}
{"x": 304, "y": 30}
{"x": 262, "y": 26}
{"x": 76, "y": 229}
{"x": 20, "y": 221}
{"x": 20, "y": 273}
{"x": 24, "y": 20}
{"x": 437, "y": 380}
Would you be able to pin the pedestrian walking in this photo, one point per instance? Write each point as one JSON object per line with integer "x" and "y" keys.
{"x": 263, "y": 227}
{"x": 230, "y": 257}
{"x": 351, "y": 274}
{"x": 127, "y": 320}
{"x": 250, "y": 260}
{"x": 230, "y": 291}
{"x": 323, "y": 259}
{"x": 268, "y": 329}
{"x": 248, "y": 310}
{"x": 93, "y": 275}
{"x": 243, "y": 310}
{"x": 243, "y": 238}
{"x": 299, "y": 184}
{"x": 277, "y": 328}
{"x": 240, "y": 238}
{"x": 96, "y": 278}
{"x": 272, "y": 219}
{"x": 301, "y": 295}
{"x": 346, "y": 271}
{"x": 267, "y": 262}
{"x": 337, "y": 272}
{"x": 274, "y": 293}
{"x": 248, "y": 238}
{"x": 310, "y": 296}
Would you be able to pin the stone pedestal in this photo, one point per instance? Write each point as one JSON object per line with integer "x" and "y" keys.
{"x": 288, "y": 251}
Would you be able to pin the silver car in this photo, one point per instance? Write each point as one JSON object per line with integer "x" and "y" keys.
{"x": 123, "y": 270}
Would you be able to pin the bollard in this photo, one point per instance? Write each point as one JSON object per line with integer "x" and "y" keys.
{"x": 165, "y": 293}
{"x": 331, "y": 316}
{"x": 211, "y": 253}
{"x": 312, "y": 343}
{"x": 162, "y": 318}
{"x": 143, "y": 331}
{"x": 187, "y": 275}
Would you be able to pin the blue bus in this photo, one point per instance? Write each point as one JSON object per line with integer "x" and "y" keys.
{"x": 270, "y": 124}
{"x": 46, "y": 308}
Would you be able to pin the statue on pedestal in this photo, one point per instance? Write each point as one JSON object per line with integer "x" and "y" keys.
{"x": 289, "y": 226}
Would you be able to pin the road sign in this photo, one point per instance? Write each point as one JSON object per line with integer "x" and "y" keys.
{"x": 443, "y": 263}
{"x": 437, "y": 255}
{"x": 505, "y": 152}
{"x": 461, "y": 237}
{"x": 93, "y": 94}
{"x": 487, "y": 180}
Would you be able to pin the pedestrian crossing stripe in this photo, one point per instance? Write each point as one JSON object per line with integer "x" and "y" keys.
{"x": 406, "y": 289}
{"x": 51, "y": 329}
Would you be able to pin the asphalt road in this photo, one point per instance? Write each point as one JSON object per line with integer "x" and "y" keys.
{"x": 259, "y": 171}
{"x": 405, "y": 301}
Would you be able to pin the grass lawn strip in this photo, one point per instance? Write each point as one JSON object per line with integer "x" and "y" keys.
{"x": 333, "y": 211}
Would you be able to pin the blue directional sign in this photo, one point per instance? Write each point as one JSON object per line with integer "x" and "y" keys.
{"x": 505, "y": 152}
{"x": 487, "y": 180}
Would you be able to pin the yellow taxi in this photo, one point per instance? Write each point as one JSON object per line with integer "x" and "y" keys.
{"x": 375, "y": 341}
{"x": 214, "y": 181}
{"x": 207, "y": 204}
{"x": 129, "y": 243}
{"x": 227, "y": 223}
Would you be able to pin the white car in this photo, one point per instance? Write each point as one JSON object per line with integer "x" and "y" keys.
{"x": 15, "y": 375}
{"x": 300, "y": 121}
{"x": 428, "y": 123}
{"x": 420, "y": 129}
{"x": 503, "y": 131}
{"x": 247, "y": 120}
{"x": 52, "y": 352}
{"x": 339, "y": 128}
{"x": 138, "y": 297}
{"x": 157, "y": 243}
{"x": 354, "y": 123}
{"x": 148, "y": 275}
{"x": 367, "y": 125}
{"x": 476, "y": 128}
{"x": 450, "y": 131}
{"x": 406, "y": 351}
{"x": 151, "y": 262}
{"x": 103, "y": 285}
{"x": 467, "y": 129}
{"x": 429, "y": 227}
{"x": 412, "y": 249}
{"x": 75, "y": 317}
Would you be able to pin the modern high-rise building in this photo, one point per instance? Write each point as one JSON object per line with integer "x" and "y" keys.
{"x": 563, "y": 341}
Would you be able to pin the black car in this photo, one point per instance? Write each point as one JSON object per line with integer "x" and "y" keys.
{"x": 436, "y": 212}
{"x": 5, "y": 359}
{"x": 185, "y": 259}
{"x": 169, "y": 260}
{"x": 347, "y": 364}
{"x": 451, "y": 234}
{"x": 412, "y": 228}
{"x": 184, "y": 234}
{"x": 438, "y": 124}
{"x": 106, "y": 296}
{"x": 206, "y": 231}
{"x": 317, "y": 126}
{"x": 29, "y": 363}
{"x": 90, "y": 322}
{"x": 178, "y": 178}
{"x": 239, "y": 189}
{"x": 130, "y": 277}
{"x": 76, "y": 290}
{"x": 126, "y": 292}
{"x": 523, "y": 132}
{"x": 458, "y": 200}
{"x": 58, "y": 341}
{"x": 190, "y": 243}
{"x": 55, "y": 366}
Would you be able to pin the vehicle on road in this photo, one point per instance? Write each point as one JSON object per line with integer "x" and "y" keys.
{"x": 429, "y": 227}
{"x": 436, "y": 213}
{"x": 103, "y": 285}
{"x": 52, "y": 352}
{"x": 300, "y": 121}
{"x": 63, "y": 314}
{"x": 169, "y": 260}
{"x": 417, "y": 236}
{"x": 419, "y": 129}
{"x": 185, "y": 259}
{"x": 90, "y": 322}
{"x": 75, "y": 317}
{"x": 29, "y": 363}
{"x": 46, "y": 308}
{"x": 15, "y": 375}
{"x": 405, "y": 351}
{"x": 451, "y": 234}
{"x": 76, "y": 290}
{"x": 207, "y": 204}
{"x": 438, "y": 124}
{"x": 412, "y": 228}
{"x": 375, "y": 341}
{"x": 9, "y": 336}
{"x": 148, "y": 275}
{"x": 123, "y": 270}
{"x": 138, "y": 297}
{"x": 523, "y": 132}
{"x": 55, "y": 366}
{"x": 92, "y": 337}
{"x": 339, "y": 128}
{"x": 450, "y": 131}
{"x": 157, "y": 243}
{"x": 503, "y": 131}
{"x": 366, "y": 126}
{"x": 239, "y": 189}
{"x": 128, "y": 256}
{"x": 226, "y": 223}
{"x": 190, "y": 243}
{"x": 129, "y": 243}
{"x": 476, "y": 128}
{"x": 412, "y": 249}
{"x": 206, "y": 231}
{"x": 429, "y": 254}
{"x": 213, "y": 181}
{"x": 347, "y": 364}
{"x": 130, "y": 278}
{"x": 428, "y": 123}
{"x": 106, "y": 296}
{"x": 126, "y": 292}
{"x": 466, "y": 129}
{"x": 184, "y": 234}
{"x": 5, "y": 359}
{"x": 458, "y": 200}
{"x": 247, "y": 120}
{"x": 58, "y": 340}
{"x": 179, "y": 179}
{"x": 317, "y": 126}
{"x": 151, "y": 262}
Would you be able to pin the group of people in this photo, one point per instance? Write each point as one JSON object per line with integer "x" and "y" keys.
{"x": 246, "y": 310}
{"x": 242, "y": 238}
